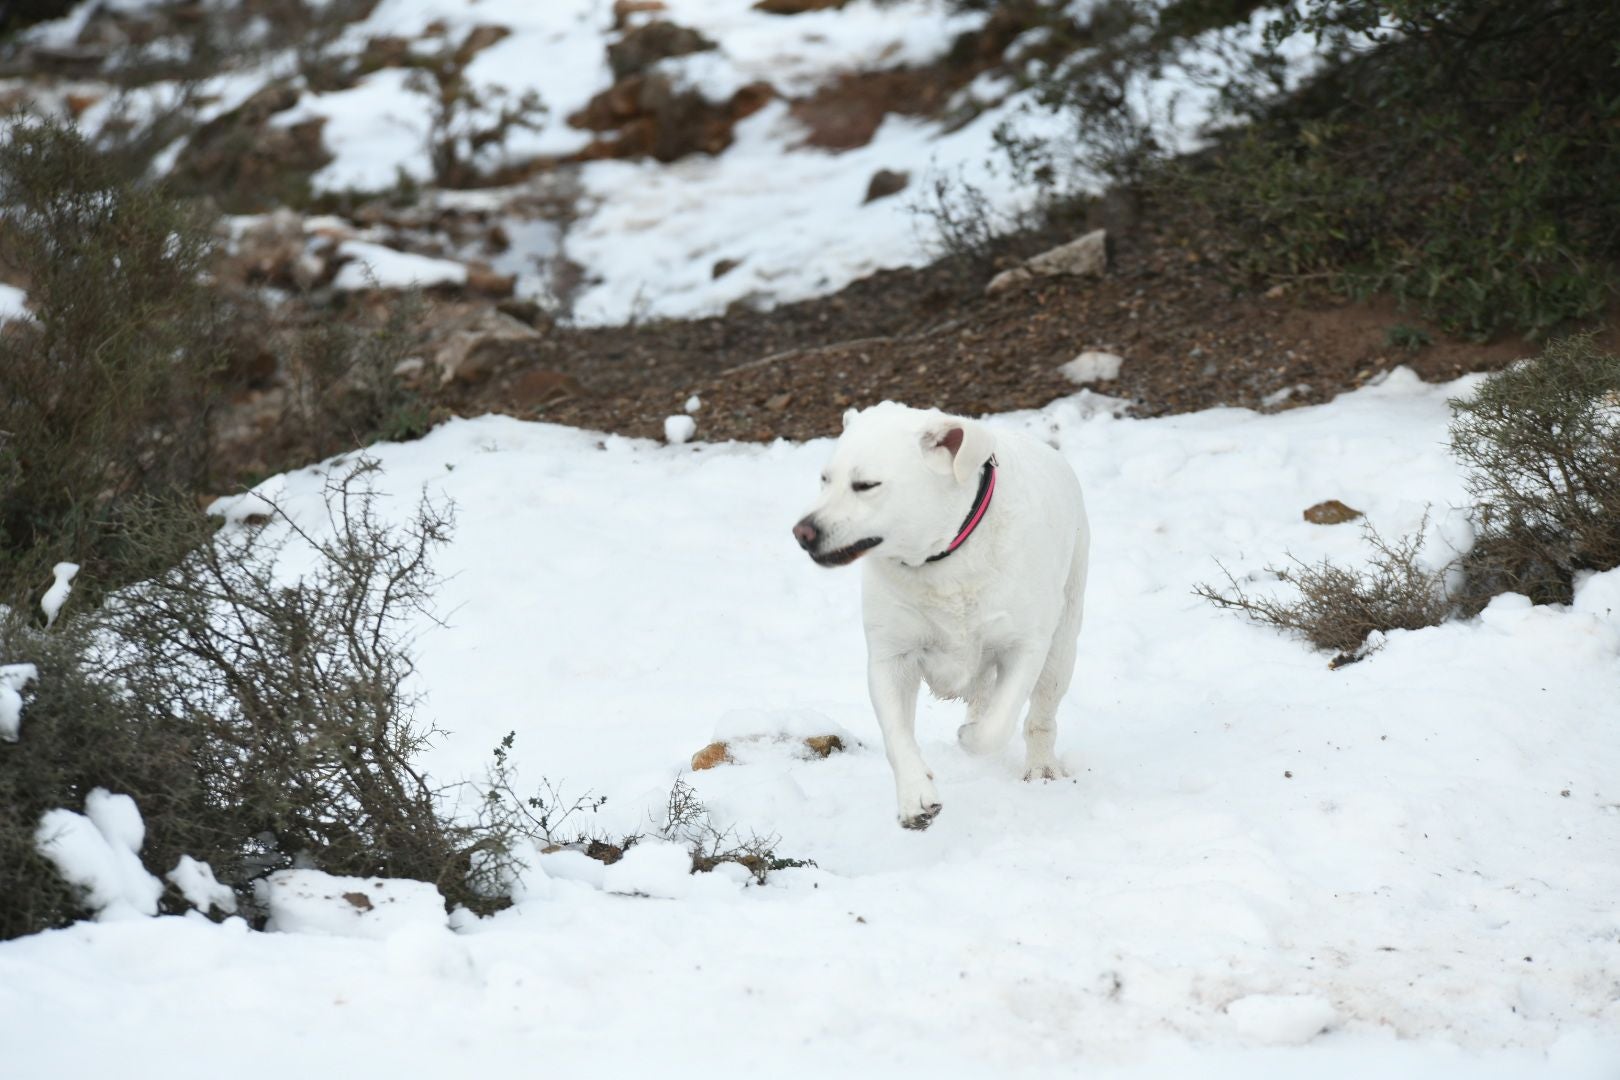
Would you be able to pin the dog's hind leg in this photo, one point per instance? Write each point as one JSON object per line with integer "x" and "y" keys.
{"x": 1040, "y": 727}
{"x": 990, "y": 725}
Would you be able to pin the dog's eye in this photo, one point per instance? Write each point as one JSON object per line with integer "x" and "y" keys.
{"x": 865, "y": 485}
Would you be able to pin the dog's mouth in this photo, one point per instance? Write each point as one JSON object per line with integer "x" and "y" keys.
{"x": 846, "y": 555}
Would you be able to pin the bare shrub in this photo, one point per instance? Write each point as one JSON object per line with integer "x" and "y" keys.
{"x": 256, "y": 716}
{"x": 687, "y": 822}
{"x": 1337, "y": 607}
{"x": 963, "y": 225}
{"x": 1541, "y": 442}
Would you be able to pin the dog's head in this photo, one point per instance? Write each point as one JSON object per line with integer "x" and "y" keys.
{"x": 900, "y": 480}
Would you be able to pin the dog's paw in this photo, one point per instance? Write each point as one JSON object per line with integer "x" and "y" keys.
{"x": 1049, "y": 770}
{"x": 978, "y": 739}
{"x": 919, "y": 821}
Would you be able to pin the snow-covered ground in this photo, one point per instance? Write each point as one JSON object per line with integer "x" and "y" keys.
{"x": 790, "y": 218}
{"x": 1261, "y": 867}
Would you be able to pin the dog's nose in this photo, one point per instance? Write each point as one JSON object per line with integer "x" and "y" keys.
{"x": 806, "y": 533}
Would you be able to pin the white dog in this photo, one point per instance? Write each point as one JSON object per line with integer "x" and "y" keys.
{"x": 977, "y": 542}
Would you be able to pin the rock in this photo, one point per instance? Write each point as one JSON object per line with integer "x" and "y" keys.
{"x": 644, "y": 46}
{"x": 652, "y": 117}
{"x": 1092, "y": 367}
{"x": 778, "y": 402}
{"x": 722, "y": 267}
{"x": 481, "y": 279}
{"x": 477, "y": 40}
{"x": 524, "y": 311}
{"x": 886, "y": 182}
{"x": 1085, "y": 257}
{"x": 77, "y": 103}
{"x": 823, "y": 746}
{"x": 1008, "y": 280}
{"x": 385, "y": 51}
{"x": 476, "y": 346}
{"x": 1332, "y": 512}
{"x": 624, "y": 10}
{"x": 716, "y": 753}
{"x": 796, "y": 7}
{"x": 538, "y": 387}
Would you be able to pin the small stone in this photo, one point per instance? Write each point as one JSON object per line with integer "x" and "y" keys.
{"x": 822, "y": 746}
{"x": 716, "y": 753}
{"x": 722, "y": 267}
{"x": 779, "y": 402}
{"x": 1008, "y": 280}
{"x": 481, "y": 279}
{"x": 886, "y": 182}
{"x": 1331, "y": 512}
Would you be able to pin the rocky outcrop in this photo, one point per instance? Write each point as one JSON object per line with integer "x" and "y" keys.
{"x": 1085, "y": 257}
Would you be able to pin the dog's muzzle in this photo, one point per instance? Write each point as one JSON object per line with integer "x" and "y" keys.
{"x": 809, "y": 537}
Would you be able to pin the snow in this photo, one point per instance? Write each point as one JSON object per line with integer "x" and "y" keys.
{"x": 651, "y": 868}
{"x": 13, "y": 677}
{"x": 98, "y": 851}
{"x": 1092, "y": 367}
{"x": 373, "y": 266}
{"x": 196, "y": 882}
{"x": 1262, "y": 867}
{"x": 13, "y": 303}
{"x": 679, "y": 428}
{"x": 51, "y": 603}
{"x": 311, "y": 902}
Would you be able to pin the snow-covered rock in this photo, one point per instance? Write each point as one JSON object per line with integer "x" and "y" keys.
{"x": 312, "y": 902}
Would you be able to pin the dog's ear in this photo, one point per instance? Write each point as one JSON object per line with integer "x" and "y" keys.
{"x": 849, "y": 415}
{"x": 958, "y": 447}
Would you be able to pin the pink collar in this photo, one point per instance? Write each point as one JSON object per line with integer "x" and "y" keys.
{"x": 981, "y": 503}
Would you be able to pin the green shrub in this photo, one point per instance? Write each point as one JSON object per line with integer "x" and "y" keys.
{"x": 105, "y": 395}
{"x": 1462, "y": 164}
{"x": 1541, "y": 442}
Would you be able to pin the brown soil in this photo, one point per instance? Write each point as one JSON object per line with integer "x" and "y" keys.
{"x": 929, "y": 337}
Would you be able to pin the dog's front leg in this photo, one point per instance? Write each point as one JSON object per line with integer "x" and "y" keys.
{"x": 894, "y": 682}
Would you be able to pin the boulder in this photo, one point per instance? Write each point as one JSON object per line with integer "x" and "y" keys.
{"x": 886, "y": 182}
{"x": 644, "y": 46}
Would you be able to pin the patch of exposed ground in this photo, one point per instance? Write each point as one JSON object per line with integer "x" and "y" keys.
{"x": 929, "y": 337}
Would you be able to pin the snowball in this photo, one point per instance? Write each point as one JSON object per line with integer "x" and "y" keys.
{"x": 1090, "y": 367}
{"x": 202, "y": 890}
{"x": 651, "y": 868}
{"x": 693, "y": 403}
{"x": 13, "y": 677}
{"x": 678, "y": 429}
{"x": 1281, "y": 1019}
{"x": 57, "y": 594}
{"x": 97, "y": 851}
{"x": 312, "y": 902}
